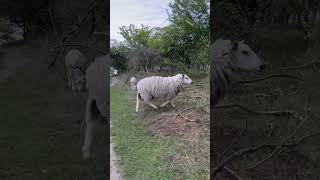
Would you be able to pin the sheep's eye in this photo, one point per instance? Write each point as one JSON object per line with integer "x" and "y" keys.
{"x": 224, "y": 54}
{"x": 245, "y": 52}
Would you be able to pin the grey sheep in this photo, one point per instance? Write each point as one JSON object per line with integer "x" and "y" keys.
{"x": 75, "y": 63}
{"x": 96, "y": 106}
{"x": 226, "y": 57}
{"x": 133, "y": 83}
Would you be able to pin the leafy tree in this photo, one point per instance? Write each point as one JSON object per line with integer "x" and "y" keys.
{"x": 119, "y": 56}
{"x": 186, "y": 39}
{"x": 136, "y": 37}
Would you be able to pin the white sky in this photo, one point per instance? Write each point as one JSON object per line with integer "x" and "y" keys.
{"x": 147, "y": 12}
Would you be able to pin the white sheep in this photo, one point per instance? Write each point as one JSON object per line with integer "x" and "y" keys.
{"x": 133, "y": 83}
{"x": 227, "y": 56}
{"x": 96, "y": 107}
{"x": 157, "y": 87}
{"x": 75, "y": 63}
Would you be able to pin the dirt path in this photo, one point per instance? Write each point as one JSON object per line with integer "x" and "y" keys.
{"x": 114, "y": 169}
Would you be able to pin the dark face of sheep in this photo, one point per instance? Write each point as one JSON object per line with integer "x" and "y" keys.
{"x": 227, "y": 56}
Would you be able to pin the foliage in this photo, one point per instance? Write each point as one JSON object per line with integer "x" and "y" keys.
{"x": 242, "y": 20}
{"x": 119, "y": 58}
{"x": 184, "y": 43}
{"x": 136, "y": 37}
{"x": 186, "y": 39}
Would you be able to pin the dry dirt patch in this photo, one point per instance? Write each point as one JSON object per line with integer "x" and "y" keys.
{"x": 171, "y": 124}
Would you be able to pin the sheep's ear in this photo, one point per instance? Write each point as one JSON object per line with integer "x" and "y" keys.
{"x": 235, "y": 45}
{"x": 242, "y": 41}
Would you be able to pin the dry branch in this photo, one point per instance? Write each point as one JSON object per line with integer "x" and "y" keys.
{"x": 274, "y": 113}
{"x": 276, "y": 147}
{"x": 232, "y": 172}
{"x": 93, "y": 5}
{"x": 268, "y": 77}
{"x": 310, "y": 64}
{"x": 231, "y": 144}
{"x": 80, "y": 45}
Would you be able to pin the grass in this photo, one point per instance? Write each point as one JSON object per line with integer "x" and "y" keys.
{"x": 40, "y": 123}
{"x": 141, "y": 156}
{"x": 146, "y": 153}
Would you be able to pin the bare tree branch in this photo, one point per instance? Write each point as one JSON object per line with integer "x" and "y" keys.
{"x": 310, "y": 64}
{"x": 80, "y": 45}
{"x": 277, "y": 147}
{"x": 94, "y": 4}
{"x": 268, "y": 77}
{"x": 274, "y": 113}
{"x": 232, "y": 172}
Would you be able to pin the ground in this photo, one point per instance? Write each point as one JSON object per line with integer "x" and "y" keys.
{"x": 236, "y": 129}
{"x": 161, "y": 144}
{"x": 41, "y": 119}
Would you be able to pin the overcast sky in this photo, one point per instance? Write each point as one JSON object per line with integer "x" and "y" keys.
{"x": 148, "y": 12}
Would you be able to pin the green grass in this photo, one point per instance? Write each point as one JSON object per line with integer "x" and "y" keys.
{"x": 141, "y": 156}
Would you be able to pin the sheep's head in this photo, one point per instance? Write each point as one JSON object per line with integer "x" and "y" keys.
{"x": 184, "y": 78}
{"x": 133, "y": 79}
{"x": 244, "y": 58}
{"x": 227, "y": 56}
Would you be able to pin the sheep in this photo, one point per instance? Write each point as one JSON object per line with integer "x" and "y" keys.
{"x": 228, "y": 56}
{"x": 75, "y": 63}
{"x": 96, "y": 106}
{"x": 166, "y": 88}
{"x": 133, "y": 83}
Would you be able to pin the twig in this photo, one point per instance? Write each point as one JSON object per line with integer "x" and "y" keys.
{"x": 75, "y": 29}
{"x": 232, "y": 172}
{"x": 231, "y": 144}
{"x": 186, "y": 118}
{"x": 274, "y": 113}
{"x": 80, "y": 45}
{"x": 311, "y": 64}
{"x": 258, "y": 147}
{"x": 268, "y": 77}
{"x": 278, "y": 149}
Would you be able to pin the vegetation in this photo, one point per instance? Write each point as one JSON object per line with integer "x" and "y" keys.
{"x": 162, "y": 144}
{"x": 145, "y": 159}
{"x": 182, "y": 44}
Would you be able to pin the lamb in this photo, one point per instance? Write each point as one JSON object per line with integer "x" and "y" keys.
{"x": 157, "y": 87}
{"x": 75, "y": 63}
{"x": 96, "y": 106}
{"x": 133, "y": 83}
{"x": 227, "y": 56}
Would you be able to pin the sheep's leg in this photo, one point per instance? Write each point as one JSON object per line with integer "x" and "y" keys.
{"x": 137, "y": 105}
{"x": 69, "y": 78}
{"x": 171, "y": 102}
{"x": 152, "y": 105}
{"x": 165, "y": 103}
{"x": 88, "y": 131}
